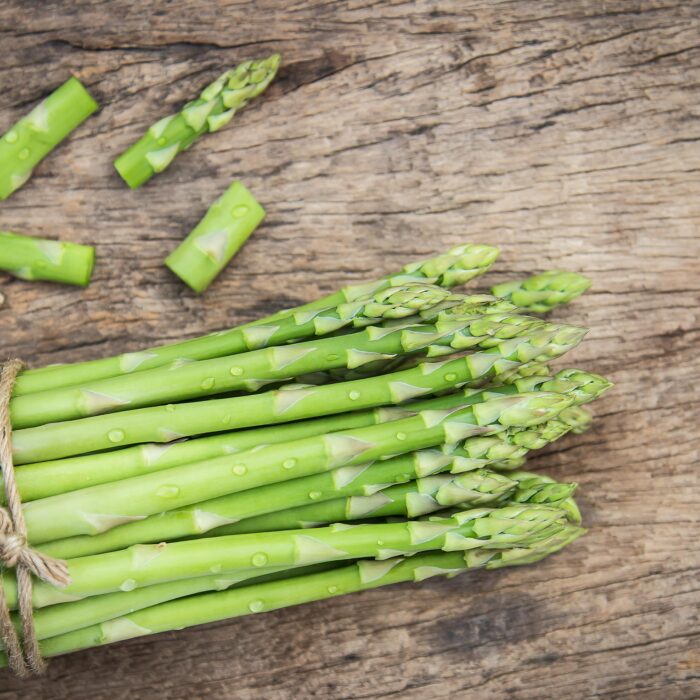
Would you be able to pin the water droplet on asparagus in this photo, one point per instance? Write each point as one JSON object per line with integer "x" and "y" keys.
{"x": 115, "y": 435}
{"x": 332, "y": 589}
{"x": 259, "y": 559}
{"x": 162, "y": 141}
{"x": 167, "y": 491}
{"x": 239, "y": 469}
{"x": 236, "y": 371}
{"x": 256, "y": 606}
{"x": 450, "y": 377}
{"x": 226, "y": 419}
{"x": 128, "y": 585}
{"x": 11, "y": 137}
{"x": 207, "y": 383}
{"x": 240, "y": 211}
{"x": 170, "y": 408}
{"x": 216, "y": 568}
{"x": 23, "y": 154}
{"x": 354, "y": 395}
{"x": 400, "y": 436}
{"x": 289, "y": 463}
{"x": 315, "y": 495}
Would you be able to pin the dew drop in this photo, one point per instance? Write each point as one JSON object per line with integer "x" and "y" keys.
{"x": 207, "y": 383}
{"x": 259, "y": 559}
{"x": 354, "y": 395}
{"x": 450, "y": 377}
{"x": 289, "y": 463}
{"x": 256, "y": 606}
{"x": 167, "y": 491}
{"x": 332, "y": 589}
{"x": 240, "y": 211}
{"x": 331, "y": 358}
{"x": 216, "y": 568}
{"x": 239, "y": 469}
{"x": 128, "y": 585}
{"x": 236, "y": 371}
{"x": 115, "y": 435}
{"x": 226, "y": 419}
{"x": 315, "y": 495}
{"x": 162, "y": 141}
{"x": 380, "y": 543}
{"x": 400, "y": 436}
{"x": 170, "y": 408}
{"x": 11, "y": 137}
{"x": 23, "y": 154}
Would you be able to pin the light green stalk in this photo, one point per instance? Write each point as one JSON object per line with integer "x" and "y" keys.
{"x": 543, "y": 292}
{"x": 100, "y": 508}
{"x": 413, "y": 499}
{"x": 362, "y": 575}
{"x": 171, "y": 422}
{"x": 504, "y": 450}
{"x": 226, "y": 226}
{"x": 39, "y": 259}
{"x": 212, "y": 110}
{"x": 43, "y": 479}
{"x": 250, "y": 370}
{"x": 145, "y": 565}
{"x": 33, "y": 137}
{"x": 457, "y": 266}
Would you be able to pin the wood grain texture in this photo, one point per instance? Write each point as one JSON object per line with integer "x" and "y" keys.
{"x": 568, "y": 133}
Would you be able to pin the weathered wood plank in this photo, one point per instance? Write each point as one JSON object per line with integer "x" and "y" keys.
{"x": 567, "y": 133}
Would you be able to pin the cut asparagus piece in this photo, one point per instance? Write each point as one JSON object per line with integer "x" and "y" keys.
{"x": 250, "y": 370}
{"x": 544, "y": 292}
{"x": 33, "y": 137}
{"x": 457, "y": 266}
{"x": 144, "y": 565}
{"x": 212, "y": 110}
{"x": 40, "y": 259}
{"x": 181, "y": 606}
{"x": 101, "y": 508}
{"x": 226, "y": 226}
{"x": 171, "y": 422}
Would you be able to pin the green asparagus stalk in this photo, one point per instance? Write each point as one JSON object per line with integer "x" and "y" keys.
{"x": 50, "y": 478}
{"x": 122, "y": 615}
{"x": 40, "y": 259}
{"x": 212, "y": 110}
{"x": 100, "y": 508}
{"x": 144, "y": 565}
{"x": 457, "y": 266}
{"x": 226, "y": 226}
{"x": 171, "y": 422}
{"x": 420, "y": 497}
{"x": 541, "y": 293}
{"x": 250, "y": 370}
{"x": 33, "y": 137}
{"x": 505, "y": 450}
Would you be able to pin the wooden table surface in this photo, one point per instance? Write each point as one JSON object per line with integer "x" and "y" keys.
{"x": 568, "y": 134}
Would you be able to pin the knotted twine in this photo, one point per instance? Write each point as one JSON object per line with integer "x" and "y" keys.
{"x": 23, "y": 656}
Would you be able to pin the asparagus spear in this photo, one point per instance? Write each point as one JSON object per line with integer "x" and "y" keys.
{"x": 40, "y": 259}
{"x": 300, "y": 588}
{"x": 33, "y": 137}
{"x": 502, "y": 450}
{"x": 144, "y": 565}
{"x": 212, "y": 110}
{"x": 543, "y": 292}
{"x": 50, "y": 478}
{"x": 457, "y": 266}
{"x": 167, "y": 423}
{"x": 226, "y": 226}
{"x": 416, "y": 498}
{"x": 101, "y": 508}
{"x": 251, "y": 370}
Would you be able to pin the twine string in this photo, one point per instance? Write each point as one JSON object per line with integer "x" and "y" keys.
{"x": 23, "y": 653}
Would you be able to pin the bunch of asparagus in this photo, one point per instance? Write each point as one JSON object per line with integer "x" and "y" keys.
{"x": 374, "y": 436}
